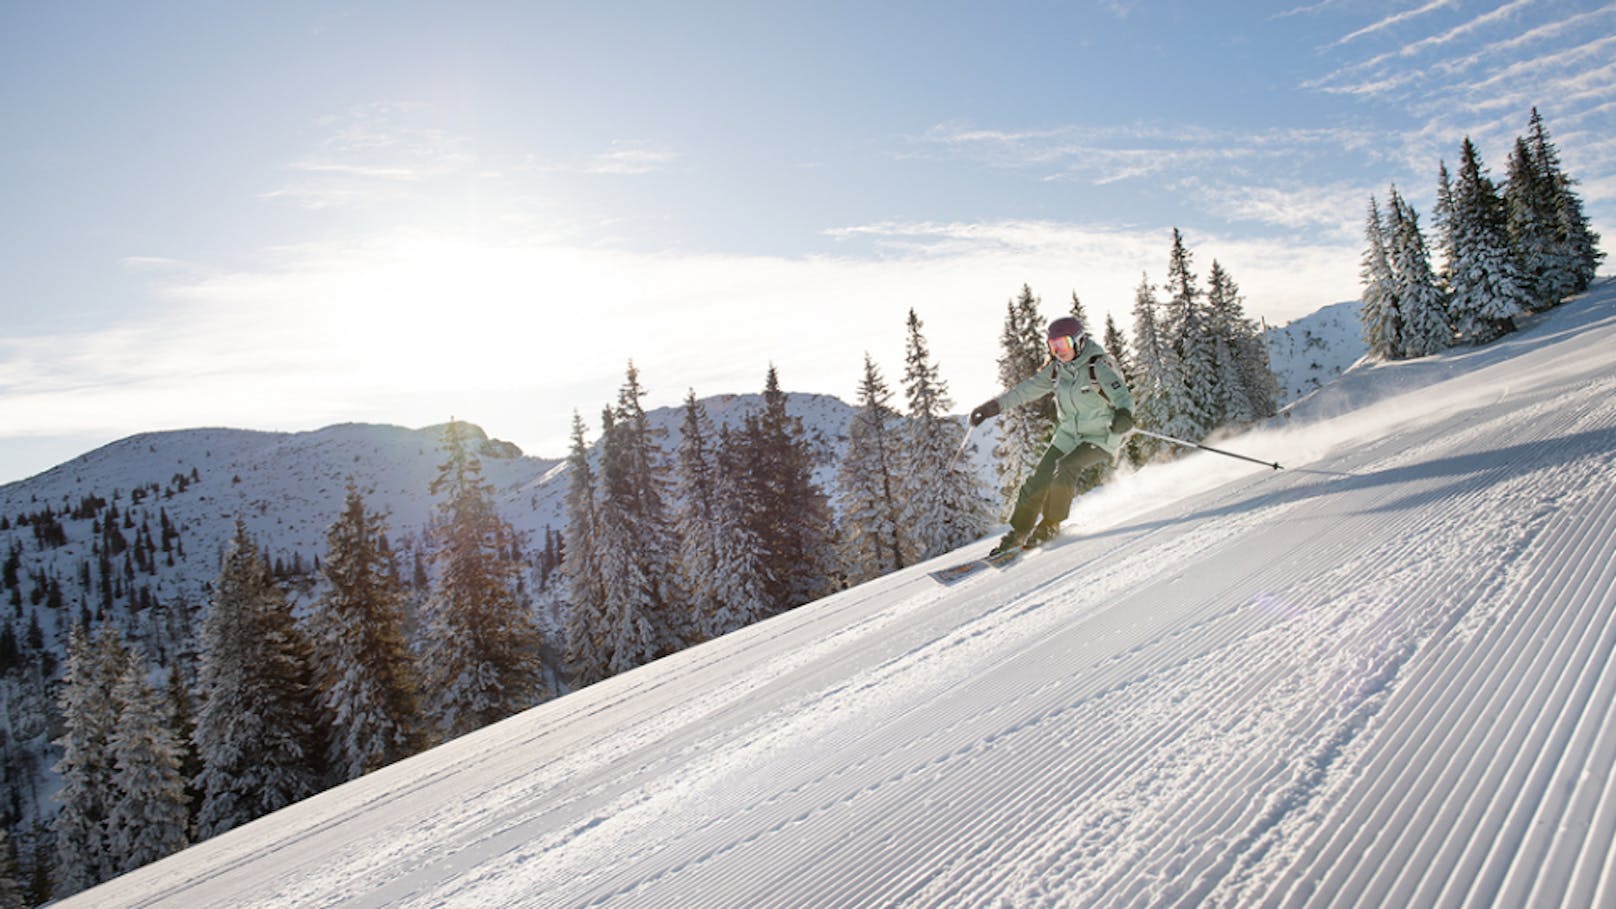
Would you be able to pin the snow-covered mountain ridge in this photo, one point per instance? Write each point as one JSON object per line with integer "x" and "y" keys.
{"x": 1381, "y": 682}
{"x": 288, "y": 487}
{"x": 1309, "y": 353}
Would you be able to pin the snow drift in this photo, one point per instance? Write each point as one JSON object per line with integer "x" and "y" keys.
{"x": 1385, "y": 683}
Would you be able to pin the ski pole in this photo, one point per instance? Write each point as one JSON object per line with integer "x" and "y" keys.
{"x": 1228, "y": 454}
{"x": 959, "y": 451}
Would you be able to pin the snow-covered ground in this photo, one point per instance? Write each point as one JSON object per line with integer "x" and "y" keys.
{"x": 1384, "y": 682}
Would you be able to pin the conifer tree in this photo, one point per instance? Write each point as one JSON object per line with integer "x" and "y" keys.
{"x": 84, "y": 852}
{"x": 1079, "y": 313}
{"x": 362, "y": 662}
{"x": 1154, "y": 361}
{"x": 632, "y": 607}
{"x": 1380, "y": 313}
{"x": 258, "y": 731}
{"x": 746, "y": 577}
{"x": 13, "y": 894}
{"x": 483, "y": 647}
{"x": 1247, "y": 390}
{"x": 1446, "y": 234}
{"x": 149, "y": 818}
{"x": 870, "y": 481}
{"x": 794, "y": 523}
{"x": 1529, "y": 203}
{"x": 696, "y": 518}
{"x": 1116, "y": 344}
{"x": 183, "y": 723}
{"x": 1424, "y": 310}
{"x": 1488, "y": 288}
{"x": 1575, "y": 245}
{"x": 638, "y": 550}
{"x": 943, "y": 503}
{"x": 1188, "y": 377}
{"x": 1024, "y": 432}
{"x": 586, "y": 621}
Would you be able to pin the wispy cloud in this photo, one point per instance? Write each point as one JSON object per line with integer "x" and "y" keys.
{"x": 1394, "y": 20}
{"x": 1333, "y": 210}
{"x": 1347, "y": 80}
{"x": 631, "y": 157}
{"x": 1103, "y": 155}
{"x": 1230, "y": 171}
{"x": 1308, "y": 9}
{"x": 370, "y": 152}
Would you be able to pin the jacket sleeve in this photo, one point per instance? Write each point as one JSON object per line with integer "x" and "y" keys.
{"x": 1029, "y": 389}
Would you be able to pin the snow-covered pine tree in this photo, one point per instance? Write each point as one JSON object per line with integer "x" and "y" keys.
{"x": 13, "y": 893}
{"x": 1577, "y": 244}
{"x": 84, "y": 853}
{"x": 869, "y": 479}
{"x": 1188, "y": 379}
{"x": 182, "y": 720}
{"x": 1423, "y": 308}
{"x": 148, "y": 819}
{"x": 643, "y": 492}
{"x": 483, "y": 647}
{"x": 943, "y": 503}
{"x": 1080, "y": 313}
{"x": 1582, "y": 240}
{"x": 695, "y": 518}
{"x": 1116, "y": 344}
{"x": 1153, "y": 361}
{"x": 795, "y": 524}
{"x": 1246, "y": 386}
{"x": 1380, "y": 312}
{"x": 362, "y": 663}
{"x": 258, "y": 732}
{"x": 643, "y": 611}
{"x": 630, "y": 612}
{"x": 1446, "y": 233}
{"x": 1529, "y": 203}
{"x": 586, "y": 587}
{"x": 745, "y": 576}
{"x": 1024, "y": 432}
{"x": 1230, "y": 403}
{"x": 1489, "y": 291}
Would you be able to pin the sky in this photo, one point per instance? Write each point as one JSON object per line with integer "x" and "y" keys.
{"x": 283, "y": 216}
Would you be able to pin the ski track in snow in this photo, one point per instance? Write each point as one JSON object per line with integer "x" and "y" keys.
{"x": 1286, "y": 689}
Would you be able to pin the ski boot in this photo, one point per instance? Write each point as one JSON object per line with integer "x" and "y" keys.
{"x": 1040, "y": 535}
{"x": 1010, "y": 543}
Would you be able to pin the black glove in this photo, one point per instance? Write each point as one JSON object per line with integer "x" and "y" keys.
{"x": 1121, "y": 422}
{"x": 990, "y": 409}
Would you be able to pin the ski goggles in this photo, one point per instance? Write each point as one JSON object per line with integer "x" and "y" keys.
{"x": 1064, "y": 345}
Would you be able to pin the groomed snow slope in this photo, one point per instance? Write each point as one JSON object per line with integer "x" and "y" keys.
{"x": 1225, "y": 686}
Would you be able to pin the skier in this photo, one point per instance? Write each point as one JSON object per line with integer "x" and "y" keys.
{"x": 1093, "y": 411}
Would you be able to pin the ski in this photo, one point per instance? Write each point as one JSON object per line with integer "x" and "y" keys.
{"x": 953, "y": 574}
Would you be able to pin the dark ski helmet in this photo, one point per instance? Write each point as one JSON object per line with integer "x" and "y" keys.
{"x": 1066, "y": 327}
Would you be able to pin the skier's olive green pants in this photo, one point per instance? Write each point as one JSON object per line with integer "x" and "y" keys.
{"x": 1052, "y": 486}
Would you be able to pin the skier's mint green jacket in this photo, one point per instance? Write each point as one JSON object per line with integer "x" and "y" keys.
{"x": 1088, "y": 391}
